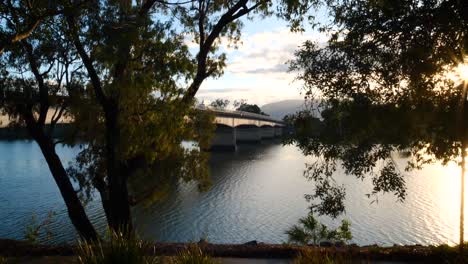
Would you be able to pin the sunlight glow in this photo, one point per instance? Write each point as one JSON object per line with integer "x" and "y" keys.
{"x": 462, "y": 72}
{"x": 459, "y": 74}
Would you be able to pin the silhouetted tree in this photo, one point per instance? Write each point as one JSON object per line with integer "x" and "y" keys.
{"x": 395, "y": 62}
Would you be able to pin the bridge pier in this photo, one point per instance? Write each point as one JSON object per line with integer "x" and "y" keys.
{"x": 267, "y": 132}
{"x": 237, "y": 126}
{"x": 248, "y": 134}
{"x": 224, "y": 138}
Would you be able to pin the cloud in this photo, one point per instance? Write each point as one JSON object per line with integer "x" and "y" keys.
{"x": 266, "y": 54}
{"x": 258, "y": 92}
{"x": 257, "y": 70}
{"x": 224, "y": 90}
{"x": 279, "y": 68}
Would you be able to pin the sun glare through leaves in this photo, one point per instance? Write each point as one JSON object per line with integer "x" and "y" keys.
{"x": 460, "y": 73}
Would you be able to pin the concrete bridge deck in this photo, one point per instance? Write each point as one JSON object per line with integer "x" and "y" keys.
{"x": 233, "y": 127}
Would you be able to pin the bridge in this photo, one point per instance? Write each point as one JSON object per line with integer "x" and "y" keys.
{"x": 234, "y": 127}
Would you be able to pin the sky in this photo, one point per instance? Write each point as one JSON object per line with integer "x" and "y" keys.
{"x": 257, "y": 70}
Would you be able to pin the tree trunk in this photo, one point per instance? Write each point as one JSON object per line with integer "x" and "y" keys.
{"x": 462, "y": 197}
{"x": 75, "y": 208}
{"x": 461, "y": 123}
{"x": 119, "y": 217}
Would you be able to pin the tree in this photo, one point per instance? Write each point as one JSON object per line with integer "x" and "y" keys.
{"x": 237, "y": 103}
{"x": 251, "y": 108}
{"x": 137, "y": 82}
{"x": 220, "y": 104}
{"x": 35, "y": 92}
{"x": 399, "y": 57}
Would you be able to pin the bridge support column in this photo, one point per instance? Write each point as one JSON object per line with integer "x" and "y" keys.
{"x": 268, "y": 132}
{"x": 278, "y": 131}
{"x": 248, "y": 134}
{"x": 224, "y": 138}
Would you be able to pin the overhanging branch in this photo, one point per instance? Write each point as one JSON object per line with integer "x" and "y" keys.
{"x": 233, "y": 13}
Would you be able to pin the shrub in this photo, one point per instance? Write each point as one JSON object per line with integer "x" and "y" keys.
{"x": 311, "y": 231}
{"x": 34, "y": 228}
{"x": 194, "y": 255}
{"x": 118, "y": 249}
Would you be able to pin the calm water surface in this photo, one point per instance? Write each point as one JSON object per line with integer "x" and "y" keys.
{"x": 257, "y": 193}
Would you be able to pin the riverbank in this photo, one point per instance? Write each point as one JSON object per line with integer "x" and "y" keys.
{"x": 253, "y": 250}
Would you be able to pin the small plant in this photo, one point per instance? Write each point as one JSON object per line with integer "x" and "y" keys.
{"x": 34, "y": 229}
{"x": 117, "y": 249}
{"x": 204, "y": 237}
{"x": 311, "y": 231}
{"x": 3, "y": 260}
{"x": 194, "y": 255}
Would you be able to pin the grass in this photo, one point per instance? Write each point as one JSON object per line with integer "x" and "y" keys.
{"x": 317, "y": 256}
{"x": 194, "y": 255}
{"x": 121, "y": 249}
{"x": 118, "y": 249}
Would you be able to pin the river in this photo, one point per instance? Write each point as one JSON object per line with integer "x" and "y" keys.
{"x": 257, "y": 194}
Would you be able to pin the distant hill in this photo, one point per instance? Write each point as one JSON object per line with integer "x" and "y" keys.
{"x": 280, "y": 109}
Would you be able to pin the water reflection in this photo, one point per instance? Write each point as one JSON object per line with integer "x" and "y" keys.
{"x": 257, "y": 194}
{"x": 248, "y": 200}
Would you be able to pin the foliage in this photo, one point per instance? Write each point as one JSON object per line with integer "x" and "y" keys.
{"x": 310, "y": 231}
{"x": 220, "y": 104}
{"x": 149, "y": 129}
{"x": 239, "y": 105}
{"x": 157, "y": 162}
{"x": 388, "y": 51}
{"x": 118, "y": 248}
{"x": 304, "y": 123}
{"x": 386, "y": 84}
{"x": 193, "y": 255}
{"x": 35, "y": 230}
{"x": 3, "y": 260}
{"x": 251, "y": 108}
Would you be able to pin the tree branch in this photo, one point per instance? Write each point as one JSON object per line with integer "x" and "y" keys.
{"x": 43, "y": 90}
{"x": 202, "y": 73}
{"x": 18, "y": 37}
{"x": 95, "y": 80}
{"x": 35, "y": 21}
{"x": 146, "y": 7}
{"x": 245, "y": 10}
